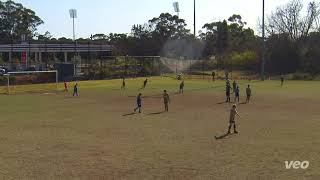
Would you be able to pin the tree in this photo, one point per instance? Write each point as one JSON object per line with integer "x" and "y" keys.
{"x": 167, "y": 26}
{"x": 311, "y": 21}
{"x": 17, "y": 20}
{"x": 310, "y": 53}
{"x": 99, "y": 36}
{"x": 120, "y": 41}
{"x": 141, "y": 31}
{"x": 240, "y": 37}
{"x": 288, "y": 19}
{"x": 161, "y": 36}
{"x": 46, "y": 36}
{"x": 283, "y": 54}
{"x": 65, "y": 40}
{"x": 216, "y": 37}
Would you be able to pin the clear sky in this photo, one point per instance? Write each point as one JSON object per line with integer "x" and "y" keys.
{"x": 118, "y": 16}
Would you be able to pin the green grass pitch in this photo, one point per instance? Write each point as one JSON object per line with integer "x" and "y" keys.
{"x": 97, "y": 136}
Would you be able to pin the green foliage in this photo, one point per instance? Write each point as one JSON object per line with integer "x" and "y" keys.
{"x": 223, "y": 38}
{"x": 17, "y": 20}
{"x": 3, "y": 80}
{"x": 247, "y": 60}
{"x": 1, "y": 59}
{"x": 283, "y": 55}
{"x": 291, "y": 45}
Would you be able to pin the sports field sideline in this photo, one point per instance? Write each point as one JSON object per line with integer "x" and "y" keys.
{"x": 97, "y": 135}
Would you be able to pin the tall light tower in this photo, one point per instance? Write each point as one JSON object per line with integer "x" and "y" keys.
{"x": 194, "y": 18}
{"x": 263, "y": 45}
{"x": 176, "y": 8}
{"x": 73, "y": 15}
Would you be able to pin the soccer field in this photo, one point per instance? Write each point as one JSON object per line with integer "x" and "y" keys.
{"x": 97, "y": 136}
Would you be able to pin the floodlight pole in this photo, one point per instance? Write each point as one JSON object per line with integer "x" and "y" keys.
{"x": 194, "y": 18}
{"x": 263, "y": 45}
{"x": 73, "y": 15}
{"x": 74, "y": 34}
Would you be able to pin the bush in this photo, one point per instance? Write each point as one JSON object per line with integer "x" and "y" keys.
{"x": 3, "y": 80}
{"x": 300, "y": 76}
{"x": 243, "y": 60}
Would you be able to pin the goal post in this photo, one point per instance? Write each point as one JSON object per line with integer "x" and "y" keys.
{"x": 31, "y": 81}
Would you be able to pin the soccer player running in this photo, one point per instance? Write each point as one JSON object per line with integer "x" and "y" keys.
{"x": 166, "y": 100}
{"x": 123, "y": 86}
{"x": 75, "y": 90}
{"x": 139, "y": 103}
{"x": 145, "y": 82}
{"x": 65, "y": 87}
{"x": 181, "y": 87}
{"x": 248, "y": 92}
{"x": 233, "y": 113}
{"x": 237, "y": 94}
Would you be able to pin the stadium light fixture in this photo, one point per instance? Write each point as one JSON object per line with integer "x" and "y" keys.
{"x": 73, "y": 15}
{"x": 176, "y": 8}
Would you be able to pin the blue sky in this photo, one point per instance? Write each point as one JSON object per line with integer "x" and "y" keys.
{"x": 105, "y": 16}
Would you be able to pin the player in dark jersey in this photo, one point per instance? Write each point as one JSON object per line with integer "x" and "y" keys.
{"x": 139, "y": 103}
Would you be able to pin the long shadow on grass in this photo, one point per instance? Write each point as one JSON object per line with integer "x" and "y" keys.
{"x": 129, "y": 114}
{"x": 224, "y": 136}
{"x": 223, "y": 102}
{"x": 156, "y": 113}
{"x": 148, "y": 97}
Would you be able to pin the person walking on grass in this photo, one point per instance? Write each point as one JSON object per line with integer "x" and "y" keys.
{"x": 213, "y": 76}
{"x": 123, "y": 86}
{"x": 181, "y": 87}
{"x": 248, "y": 92}
{"x": 234, "y": 86}
{"x": 237, "y": 94}
{"x": 145, "y": 82}
{"x": 232, "y": 122}
{"x": 65, "y": 87}
{"x": 282, "y": 80}
{"x": 75, "y": 90}
{"x": 139, "y": 103}
{"x": 166, "y": 100}
{"x": 228, "y": 89}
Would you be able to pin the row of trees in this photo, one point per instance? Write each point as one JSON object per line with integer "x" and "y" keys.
{"x": 292, "y": 38}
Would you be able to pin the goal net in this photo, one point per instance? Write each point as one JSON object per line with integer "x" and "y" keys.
{"x": 29, "y": 82}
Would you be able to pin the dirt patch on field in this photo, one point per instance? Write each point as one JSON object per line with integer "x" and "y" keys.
{"x": 97, "y": 136}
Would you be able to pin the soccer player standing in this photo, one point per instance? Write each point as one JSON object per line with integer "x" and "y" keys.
{"x": 248, "y": 92}
{"x": 75, "y": 90}
{"x": 166, "y": 100}
{"x": 233, "y": 113}
{"x": 139, "y": 103}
